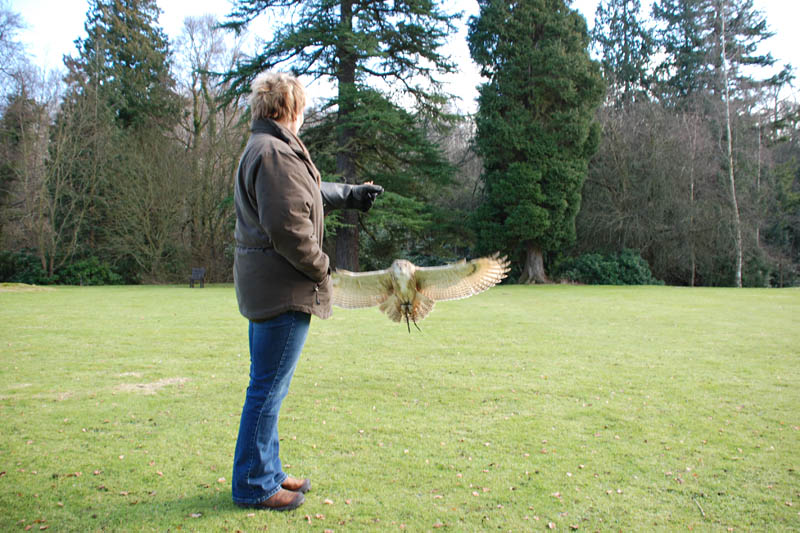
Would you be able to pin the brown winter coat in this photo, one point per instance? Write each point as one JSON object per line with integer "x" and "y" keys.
{"x": 279, "y": 264}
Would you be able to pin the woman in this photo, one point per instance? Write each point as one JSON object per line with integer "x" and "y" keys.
{"x": 281, "y": 276}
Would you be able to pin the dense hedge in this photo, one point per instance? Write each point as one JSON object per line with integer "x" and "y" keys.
{"x": 25, "y": 267}
{"x": 624, "y": 268}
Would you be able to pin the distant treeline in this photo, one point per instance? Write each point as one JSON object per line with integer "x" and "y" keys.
{"x": 654, "y": 149}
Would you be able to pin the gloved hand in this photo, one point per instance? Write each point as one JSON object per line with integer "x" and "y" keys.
{"x": 363, "y": 196}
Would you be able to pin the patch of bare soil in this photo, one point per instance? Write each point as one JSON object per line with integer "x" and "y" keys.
{"x": 151, "y": 388}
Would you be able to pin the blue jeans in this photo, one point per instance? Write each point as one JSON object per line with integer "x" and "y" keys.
{"x": 275, "y": 347}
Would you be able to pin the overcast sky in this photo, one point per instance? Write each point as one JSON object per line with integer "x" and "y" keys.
{"x": 53, "y": 26}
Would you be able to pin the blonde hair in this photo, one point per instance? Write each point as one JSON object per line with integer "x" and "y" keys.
{"x": 276, "y": 95}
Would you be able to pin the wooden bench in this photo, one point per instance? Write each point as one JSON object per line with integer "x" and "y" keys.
{"x": 199, "y": 276}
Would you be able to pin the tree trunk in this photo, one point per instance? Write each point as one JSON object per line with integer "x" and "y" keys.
{"x": 737, "y": 223}
{"x": 691, "y": 231}
{"x": 758, "y": 187}
{"x": 347, "y": 236}
{"x": 347, "y": 242}
{"x": 533, "y": 271}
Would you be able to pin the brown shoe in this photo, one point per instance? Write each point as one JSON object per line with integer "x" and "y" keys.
{"x": 283, "y": 500}
{"x": 297, "y": 485}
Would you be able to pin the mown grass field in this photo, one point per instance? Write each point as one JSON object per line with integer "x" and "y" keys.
{"x": 522, "y": 409}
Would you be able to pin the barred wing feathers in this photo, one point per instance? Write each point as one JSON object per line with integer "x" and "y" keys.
{"x": 352, "y": 290}
{"x": 462, "y": 279}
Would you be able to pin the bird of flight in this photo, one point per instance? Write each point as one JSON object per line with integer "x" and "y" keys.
{"x": 406, "y": 291}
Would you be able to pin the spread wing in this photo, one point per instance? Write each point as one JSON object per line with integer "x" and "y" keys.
{"x": 462, "y": 279}
{"x": 352, "y": 290}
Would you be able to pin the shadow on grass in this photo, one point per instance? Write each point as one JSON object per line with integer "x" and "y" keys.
{"x": 199, "y": 511}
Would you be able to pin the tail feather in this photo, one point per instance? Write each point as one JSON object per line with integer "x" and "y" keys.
{"x": 391, "y": 306}
{"x": 397, "y": 311}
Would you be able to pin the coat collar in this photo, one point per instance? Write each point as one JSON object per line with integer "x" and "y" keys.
{"x": 271, "y": 127}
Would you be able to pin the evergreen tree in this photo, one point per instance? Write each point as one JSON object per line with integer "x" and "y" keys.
{"x": 535, "y": 125}
{"x": 626, "y": 47}
{"x": 125, "y": 56}
{"x": 121, "y": 78}
{"x": 392, "y": 148}
{"x": 363, "y": 46}
{"x": 684, "y": 37}
{"x": 689, "y": 35}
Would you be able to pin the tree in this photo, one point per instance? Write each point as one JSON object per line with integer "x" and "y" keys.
{"x": 402, "y": 156}
{"x": 740, "y": 29}
{"x": 535, "y": 125}
{"x": 146, "y": 226}
{"x": 211, "y": 133}
{"x": 11, "y": 59}
{"x": 121, "y": 79}
{"x": 11, "y": 50}
{"x": 684, "y": 38}
{"x": 45, "y": 209}
{"x": 379, "y": 54}
{"x": 689, "y": 35}
{"x": 712, "y": 50}
{"x": 626, "y": 48}
{"x": 23, "y": 144}
{"x": 695, "y": 179}
{"x": 782, "y": 224}
{"x": 737, "y": 224}
{"x": 125, "y": 56}
{"x": 651, "y": 187}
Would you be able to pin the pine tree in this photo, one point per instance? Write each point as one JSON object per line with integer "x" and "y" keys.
{"x": 120, "y": 77}
{"x": 125, "y": 57}
{"x": 535, "y": 125}
{"x": 378, "y": 54}
{"x": 684, "y": 37}
{"x": 689, "y": 35}
{"x": 626, "y": 47}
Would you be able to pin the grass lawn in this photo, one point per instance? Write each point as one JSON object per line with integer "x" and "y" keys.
{"x": 525, "y": 408}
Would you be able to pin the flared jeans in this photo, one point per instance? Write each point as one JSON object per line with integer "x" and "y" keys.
{"x": 275, "y": 347}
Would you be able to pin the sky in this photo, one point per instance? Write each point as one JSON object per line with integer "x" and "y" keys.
{"x": 53, "y": 25}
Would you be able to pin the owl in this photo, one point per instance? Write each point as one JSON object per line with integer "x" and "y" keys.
{"x": 407, "y": 292}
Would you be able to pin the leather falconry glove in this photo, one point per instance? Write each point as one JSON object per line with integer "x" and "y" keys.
{"x": 363, "y": 196}
{"x": 346, "y": 196}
